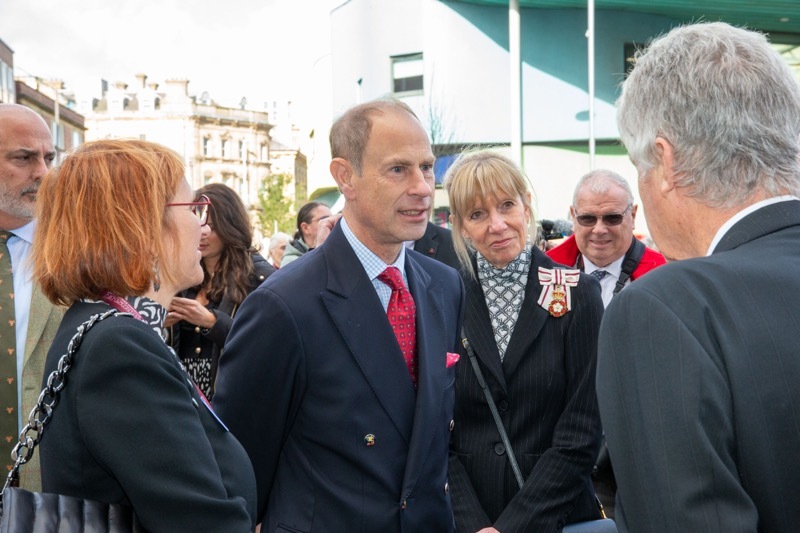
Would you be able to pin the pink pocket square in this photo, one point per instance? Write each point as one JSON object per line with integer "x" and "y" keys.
{"x": 452, "y": 358}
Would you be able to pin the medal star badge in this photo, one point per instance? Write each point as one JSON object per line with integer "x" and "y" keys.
{"x": 556, "y": 283}
{"x": 558, "y": 306}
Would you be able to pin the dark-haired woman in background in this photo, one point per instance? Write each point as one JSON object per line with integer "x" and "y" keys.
{"x": 201, "y": 317}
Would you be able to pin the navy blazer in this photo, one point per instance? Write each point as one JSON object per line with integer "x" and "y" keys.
{"x": 545, "y": 392}
{"x": 314, "y": 385}
{"x": 437, "y": 242}
{"x": 697, "y": 378}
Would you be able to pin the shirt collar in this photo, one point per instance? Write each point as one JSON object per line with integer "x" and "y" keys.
{"x": 25, "y": 232}
{"x": 372, "y": 264}
{"x": 614, "y": 269}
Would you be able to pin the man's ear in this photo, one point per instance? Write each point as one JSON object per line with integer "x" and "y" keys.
{"x": 343, "y": 174}
{"x": 666, "y": 159}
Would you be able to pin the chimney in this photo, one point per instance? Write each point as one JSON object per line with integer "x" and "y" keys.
{"x": 179, "y": 86}
{"x": 142, "y": 78}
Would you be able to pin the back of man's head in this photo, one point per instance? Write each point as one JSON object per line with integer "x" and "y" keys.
{"x": 726, "y": 102}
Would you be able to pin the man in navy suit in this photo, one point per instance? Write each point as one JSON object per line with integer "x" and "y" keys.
{"x": 343, "y": 434}
{"x": 699, "y": 361}
{"x": 437, "y": 242}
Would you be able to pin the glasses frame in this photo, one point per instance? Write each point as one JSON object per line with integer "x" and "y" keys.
{"x": 200, "y": 208}
{"x": 604, "y": 218}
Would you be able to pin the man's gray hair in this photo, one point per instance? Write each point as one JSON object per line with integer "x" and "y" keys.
{"x": 598, "y": 182}
{"x": 726, "y": 102}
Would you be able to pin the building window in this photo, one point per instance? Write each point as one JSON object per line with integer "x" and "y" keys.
{"x": 789, "y": 51}
{"x": 407, "y": 74}
{"x": 57, "y": 131}
{"x": 7, "y": 88}
{"x": 242, "y": 151}
{"x": 263, "y": 151}
{"x": 226, "y": 149}
{"x": 630, "y": 52}
{"x": 206, "y": 147}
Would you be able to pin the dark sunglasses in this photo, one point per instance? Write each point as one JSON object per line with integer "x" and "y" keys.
{"x": 612, "y": 219}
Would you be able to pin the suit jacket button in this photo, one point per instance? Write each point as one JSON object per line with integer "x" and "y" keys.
{"x": 197, "y": 329}
{"x": 503, "y": 405}
{"x": 499, "y": 449}
{"x": 198, "y": 350}
{"x": 452, "y": 424}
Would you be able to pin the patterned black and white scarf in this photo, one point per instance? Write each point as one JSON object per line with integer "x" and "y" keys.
{"x": 504, "y": 290}
{"x": 151, "y": 312}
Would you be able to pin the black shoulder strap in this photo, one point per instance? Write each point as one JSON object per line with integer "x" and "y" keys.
{"x": 501, "y": 429}
{"x": 632, "y": 258}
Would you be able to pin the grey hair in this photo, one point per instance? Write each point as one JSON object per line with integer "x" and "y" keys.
{"x": 277, "y": 238}
{"x": 726, "y": 102}
{"x": 598, "y": 182}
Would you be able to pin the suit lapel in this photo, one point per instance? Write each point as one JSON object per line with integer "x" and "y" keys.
{"x": 353, "y": 306}
{"x": 38, "y": 316}
{"x": 763, "y": 221}
{"x": 429, "y": 243}
{"x": 532, "y": 317}
{"x": 431, "y": 355}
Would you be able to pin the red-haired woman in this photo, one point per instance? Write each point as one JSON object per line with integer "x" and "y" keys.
{"x": 119, "y": 228}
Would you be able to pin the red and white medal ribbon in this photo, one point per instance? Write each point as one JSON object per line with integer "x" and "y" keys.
{"x": 556, "y": 283}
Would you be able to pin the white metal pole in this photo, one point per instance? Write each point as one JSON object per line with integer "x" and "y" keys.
{"x": 590, "y": 38}
{"x": 515, "y": 80}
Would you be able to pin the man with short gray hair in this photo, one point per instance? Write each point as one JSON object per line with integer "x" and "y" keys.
{"x": 602, "y": 244}
{"x": 699, "y": 361}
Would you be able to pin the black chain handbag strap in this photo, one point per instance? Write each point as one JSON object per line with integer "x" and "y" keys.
{"x": 512, "y": 459}
{"x": 40, "y": 415}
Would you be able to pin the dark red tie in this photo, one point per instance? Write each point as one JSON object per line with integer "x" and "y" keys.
{"x": 402, "y": 315}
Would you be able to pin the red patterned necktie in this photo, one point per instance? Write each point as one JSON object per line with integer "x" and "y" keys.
{"x": 402, "y": 314}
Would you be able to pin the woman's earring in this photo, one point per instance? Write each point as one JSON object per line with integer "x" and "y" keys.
{"x": 156, "y": 278}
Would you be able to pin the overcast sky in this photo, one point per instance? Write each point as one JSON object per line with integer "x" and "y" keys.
{"x": 262, "y": 49}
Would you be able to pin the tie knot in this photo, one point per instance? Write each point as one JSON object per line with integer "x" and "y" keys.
{"x": 393, "y": 278}
{"x": 599, "y": 274}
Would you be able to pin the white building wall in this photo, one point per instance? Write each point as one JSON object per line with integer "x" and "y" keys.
{"x": 466, "y": 70}
{"x": 466, "y": 78}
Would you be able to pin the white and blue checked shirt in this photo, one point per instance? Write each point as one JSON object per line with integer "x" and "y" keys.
{"x": 373, "y": 264}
